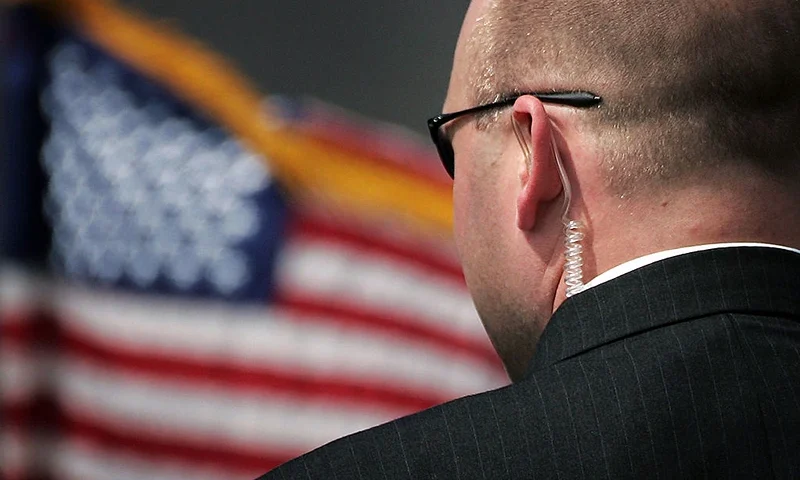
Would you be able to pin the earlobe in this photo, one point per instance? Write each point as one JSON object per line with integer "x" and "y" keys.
{"x": 539, "y": 179}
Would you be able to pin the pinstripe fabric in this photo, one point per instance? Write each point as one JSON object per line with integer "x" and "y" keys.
{"x": 688, "y": 367}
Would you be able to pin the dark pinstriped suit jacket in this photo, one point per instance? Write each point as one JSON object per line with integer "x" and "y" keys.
{"x": 686, "y": 368}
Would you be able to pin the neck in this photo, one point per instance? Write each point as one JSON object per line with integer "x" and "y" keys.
{"x": 746, "y": 209}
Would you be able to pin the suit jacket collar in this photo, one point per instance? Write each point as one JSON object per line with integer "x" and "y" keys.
{"x": 729, "y": 280}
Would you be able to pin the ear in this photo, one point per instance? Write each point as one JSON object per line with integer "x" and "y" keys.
{"x": 539, "y": 179}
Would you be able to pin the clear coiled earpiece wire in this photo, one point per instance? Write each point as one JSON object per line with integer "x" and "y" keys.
{"x": 573, "y": 265}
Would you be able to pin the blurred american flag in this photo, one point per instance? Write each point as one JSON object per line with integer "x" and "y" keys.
{"x": 171, "y": 307}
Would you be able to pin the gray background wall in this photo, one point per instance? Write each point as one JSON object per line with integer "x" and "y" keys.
{"x": 386, "y": 59}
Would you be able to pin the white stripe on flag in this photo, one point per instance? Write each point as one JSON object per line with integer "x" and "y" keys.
{"x": 210, "y": 414}
{"x": 76, "y": 460}
{"x": 257, "y": 336}
{"x": 14, "y": 453}
{"x": 20, "y": 290}
{"x": 21, "y": 372}
{"x": 334, "y": 272}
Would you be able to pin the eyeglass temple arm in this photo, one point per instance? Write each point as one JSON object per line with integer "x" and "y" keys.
{"x": 574, "y": 99}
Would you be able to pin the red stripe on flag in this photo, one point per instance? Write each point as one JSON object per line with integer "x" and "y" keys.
{"x": 155, "y": 446}
{"x": 28, "y": 328}
{"x": 308, "y": 226}
{"x": 18, "y": 415}
{"x": 307, "y": 385}
{"x": 310, "y": 309}
{"x": 17, "y": 327}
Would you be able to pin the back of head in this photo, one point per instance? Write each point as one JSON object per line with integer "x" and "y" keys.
{"x": 689, "y": 86}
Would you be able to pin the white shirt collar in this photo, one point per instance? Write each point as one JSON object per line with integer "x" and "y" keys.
{"x": 655, "y": 257}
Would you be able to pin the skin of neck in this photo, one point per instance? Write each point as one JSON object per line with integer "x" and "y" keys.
{"x": 741, "y": 205}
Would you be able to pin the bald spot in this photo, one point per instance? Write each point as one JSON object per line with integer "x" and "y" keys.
{"x": 687, "y": 85}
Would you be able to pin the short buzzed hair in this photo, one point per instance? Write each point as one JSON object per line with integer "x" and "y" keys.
{"x": 687, "y": 85}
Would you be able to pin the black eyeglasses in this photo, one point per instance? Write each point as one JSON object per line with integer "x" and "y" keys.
{"x": 443, "y": 142}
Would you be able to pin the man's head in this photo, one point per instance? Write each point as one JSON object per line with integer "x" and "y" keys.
{"x": 699, "y": 98}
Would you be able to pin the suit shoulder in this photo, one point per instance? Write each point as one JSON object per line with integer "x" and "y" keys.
{"x": 510, "y": 433}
